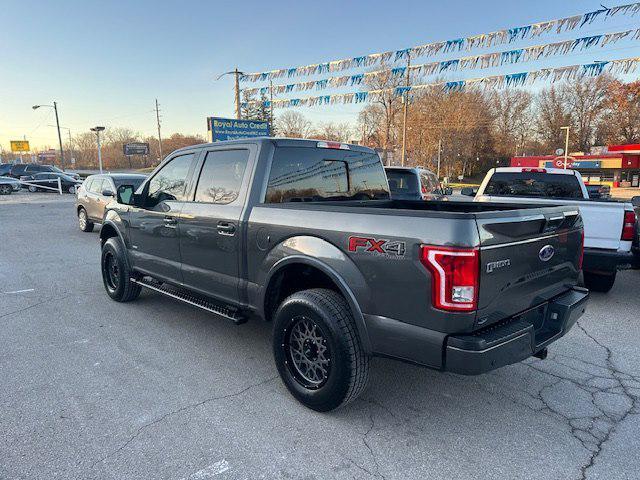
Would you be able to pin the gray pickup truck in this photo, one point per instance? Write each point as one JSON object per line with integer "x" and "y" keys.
{"x": 304, "y": 234}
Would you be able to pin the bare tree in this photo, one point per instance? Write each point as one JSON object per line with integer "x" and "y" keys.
{"x": 552, "y": 114}
{"x": 294, "y": 124}
{"x": 512, "y": 113}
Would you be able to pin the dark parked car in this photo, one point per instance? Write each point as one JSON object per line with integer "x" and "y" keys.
{"x": 409, "y": 183}
{"x": 96, "y": 192}
{"x": 50, "y": 180}
{"x": 599, "y": 191}
{"x": 27, "y": 169}
{"x": 5, "y": 168}
{"x": 304, "y": 234}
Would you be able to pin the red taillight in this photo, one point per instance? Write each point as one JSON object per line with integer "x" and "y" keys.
{"x": 629, "y": 226}
{"x": 455, "y": 277}
{"x": 581, "y": 258}
{"x": 424, "y": 189}
{"x": 535, "y": 170}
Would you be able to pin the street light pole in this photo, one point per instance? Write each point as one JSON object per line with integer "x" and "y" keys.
{"x": 238, "y": 74}
{"x": 55, "y": 109}
{"x": 566, "y": 146}
{"x": 97, "y": 130}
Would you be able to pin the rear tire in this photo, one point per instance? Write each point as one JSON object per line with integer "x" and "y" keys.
{"x": 71, "y": 189}
{"x": 116, "y": 274}
{"x": 84, "y": 223}
{"x": 32, "y": 189}
{"x": 6, "y": 189}
{"x": 317, "y": 349}
{"x": 599, "y": 282}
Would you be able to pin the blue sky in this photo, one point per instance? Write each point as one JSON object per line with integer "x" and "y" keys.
{"x": 105, "y": 62}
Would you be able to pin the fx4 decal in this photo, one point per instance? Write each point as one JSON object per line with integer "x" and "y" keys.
{"x": 376, "y": 246}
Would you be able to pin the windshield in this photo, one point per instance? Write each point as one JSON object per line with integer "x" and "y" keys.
{"x": 302, "y": 174}
{"x": 533, "y": 184}
{"x": 402, "y": 182}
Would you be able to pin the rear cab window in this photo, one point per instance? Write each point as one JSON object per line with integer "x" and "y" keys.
{"x": 304, "y": 174}
{"x": 533, "y": 184}
{"x": 402, "y": 182}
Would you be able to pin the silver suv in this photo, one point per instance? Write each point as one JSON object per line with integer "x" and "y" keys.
{"x": 96, "y": 192}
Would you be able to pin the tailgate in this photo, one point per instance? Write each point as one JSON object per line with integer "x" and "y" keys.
{"x": 526, "y": 258}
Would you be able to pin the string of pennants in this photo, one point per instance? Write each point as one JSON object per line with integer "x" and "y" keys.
{"x": 474, "y": 62}
{"x": 624, "y": 66}
{"x": 484, "y": 40}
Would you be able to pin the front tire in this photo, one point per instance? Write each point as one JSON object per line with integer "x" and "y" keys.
{"x": 6, "y": 189}
{"x": 33, "y": 189}
{"x": 317, "y": 349}
{"x": 599, "y": 282}
{"x": 116, "y": 274}
{"x": 84, "y": 223}
{"x": 71, "y": 189}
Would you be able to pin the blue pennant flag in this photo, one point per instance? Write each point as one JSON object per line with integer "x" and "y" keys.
{"x": 401, "y": 90}
{"x": 453, "y": 86}
{"x": 322, "y": 68}
{"x": 289, "y": 88}
{"x": 591, "y": 16}
{"x": 361, "y": 96}
{"x": 586, "y": 42}
{"x": 398, "y": 71}
{"x": 263, "y": 90}
{"x": 518, "y": 32}
{"x": 294, "y": 102}
{"x": 357, "y": 79}
{"x": 400, "y": 54}
{"x": 594, "y": 69}
{"x": 326, "y": 99}
{"x": 320, "y": 84}
{"x": 358, "y": 61}
{"x": 516, "y": 79}
{"x": 453, "y": 44}
{"x": 264, "y": 76}
{"x": 512, "y": 56}
{"x": 449, "y": 64}
{"x": 291, "y": 72}
{"x": 266, "y": 103}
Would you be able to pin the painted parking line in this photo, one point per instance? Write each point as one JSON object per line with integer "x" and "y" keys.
{"x": 210, "y": 471}
{"x": 19, "y": 291}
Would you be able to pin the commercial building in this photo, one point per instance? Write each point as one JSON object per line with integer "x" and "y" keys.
{"x": 615, "y": 165}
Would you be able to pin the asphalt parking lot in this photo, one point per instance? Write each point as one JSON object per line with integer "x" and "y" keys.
{"x": 155, "y": 389}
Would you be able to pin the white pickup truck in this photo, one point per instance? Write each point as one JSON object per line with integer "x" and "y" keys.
{"x": 609, "y": 226}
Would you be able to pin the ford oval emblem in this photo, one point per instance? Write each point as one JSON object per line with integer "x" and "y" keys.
{"x": 546, "y": 253}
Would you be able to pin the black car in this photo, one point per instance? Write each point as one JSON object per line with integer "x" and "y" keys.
{"x": 5, "y": 168}
{"x": 26, "y": 169}
{"x": 50, "y": 180}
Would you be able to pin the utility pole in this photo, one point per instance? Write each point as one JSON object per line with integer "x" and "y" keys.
{"x": 566, "y": 146}
{"x": 159, "y": 136}
{"x": 237, "y": 75}
{"x": 271, "y": 105}
{"x": 405, "y": 97}
{"x": 439, "y": 153}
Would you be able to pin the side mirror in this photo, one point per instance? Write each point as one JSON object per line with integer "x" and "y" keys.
{"x": 107, "y": 192}
{"x": 468, "y": 191}
{"x": 125, "y": 195}
{"x": 635, "y": 201}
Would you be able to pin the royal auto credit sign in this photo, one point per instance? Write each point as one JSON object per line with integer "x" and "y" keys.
{"x": 232, "y": 129}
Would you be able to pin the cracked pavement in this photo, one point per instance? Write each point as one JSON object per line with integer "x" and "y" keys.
{"x": 92, "y": 389}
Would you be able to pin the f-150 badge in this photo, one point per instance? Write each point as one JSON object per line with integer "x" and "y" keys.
{"x": 377, "y": 246}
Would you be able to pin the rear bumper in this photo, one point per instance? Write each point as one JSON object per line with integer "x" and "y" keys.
{"x": 606, "y": 260}
{"x": 517, "y": 338}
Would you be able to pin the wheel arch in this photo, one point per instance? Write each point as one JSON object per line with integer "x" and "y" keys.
{"x": 290, "y": 269}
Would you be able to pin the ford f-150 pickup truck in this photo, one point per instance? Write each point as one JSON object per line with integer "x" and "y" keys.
{"x": 304, "y": 234}
{"x": 608, "y": 226}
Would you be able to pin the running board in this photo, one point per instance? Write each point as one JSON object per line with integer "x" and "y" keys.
{"x": 191, "y": 298}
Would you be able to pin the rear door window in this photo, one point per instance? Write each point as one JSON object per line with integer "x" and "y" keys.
{"x": 402, "y": 182}
{"x": 533, "y": 184}
{"x": 96, "y": 185}
{"x": 221, "y": 176}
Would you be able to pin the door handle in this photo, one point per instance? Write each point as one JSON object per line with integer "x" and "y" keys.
{"x": 226, "y": 228}
{"x": 170, "y": 221}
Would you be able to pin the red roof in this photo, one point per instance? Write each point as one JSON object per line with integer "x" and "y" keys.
{"x": 630, "y": 147}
